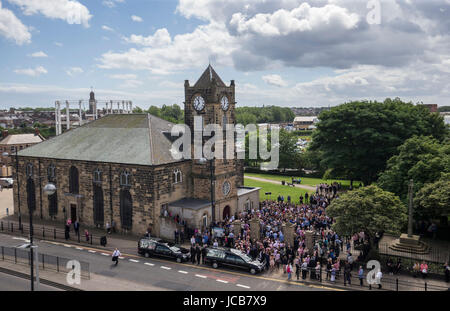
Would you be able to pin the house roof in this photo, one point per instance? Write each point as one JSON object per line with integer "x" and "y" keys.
{"x": 206, "y": 78}
{"x": 20, "y": 139}
{"x": 116, "y": 138}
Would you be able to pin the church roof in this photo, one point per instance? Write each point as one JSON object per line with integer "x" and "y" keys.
{"x": 116, "y": 138}
{"x": 206, "y": 78}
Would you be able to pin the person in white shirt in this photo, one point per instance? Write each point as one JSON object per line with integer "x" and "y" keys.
{"x": 378, "y": 277}
{"x": 115, "y": 256}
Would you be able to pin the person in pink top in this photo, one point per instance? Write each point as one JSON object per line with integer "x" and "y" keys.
{"x": 424, "y": 269}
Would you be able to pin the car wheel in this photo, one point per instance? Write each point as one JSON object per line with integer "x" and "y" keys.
{"x": 252, "y": 271}
{"x": 215, "y": 265}
{"x": 178, "y": 259}
{"x": 146, "y": 255}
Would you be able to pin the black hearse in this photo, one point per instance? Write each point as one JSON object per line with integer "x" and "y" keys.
{"x": 230, "y": 257}
{"x": 156, "y": 247}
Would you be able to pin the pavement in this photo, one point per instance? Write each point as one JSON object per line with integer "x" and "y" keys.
{"x": 15, "y": 283}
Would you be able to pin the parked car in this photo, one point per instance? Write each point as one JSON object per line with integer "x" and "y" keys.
{"x": 221, "y": 256}
{"x": 150, "y": 247}
{"x": 6, "y": 182}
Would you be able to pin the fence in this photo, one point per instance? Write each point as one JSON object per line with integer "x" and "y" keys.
{"x": 46, "y": 262}
{"x": 390, "y": 283}
{"x": 40, "y": 231}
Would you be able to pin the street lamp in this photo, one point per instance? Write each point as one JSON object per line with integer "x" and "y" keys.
{"x": 203, "y": 161}
{"x": 49, "y": 189}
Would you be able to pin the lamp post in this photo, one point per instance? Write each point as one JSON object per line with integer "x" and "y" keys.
{"x": 49, "y": 189}
{"x": 203, "y": 161}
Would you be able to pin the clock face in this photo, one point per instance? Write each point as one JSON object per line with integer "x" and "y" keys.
{"x": 199, "y": 103}
{"x": 224, "y": 103}
{"x": 226, "y": 188}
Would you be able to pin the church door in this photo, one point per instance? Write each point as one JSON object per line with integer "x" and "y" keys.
{"x": 226, "y": 212}
{"x": 126, "y": 209}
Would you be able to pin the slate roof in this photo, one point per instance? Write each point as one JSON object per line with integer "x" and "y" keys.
{"x": 189, "y": 203}
{"x": 20, "y": 139}
{"x": 206, "y": 78}
{"x": 116, "y": 138}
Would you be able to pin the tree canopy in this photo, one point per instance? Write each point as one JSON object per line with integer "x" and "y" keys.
{"x": 433, "y": 200}
{"x": 357, "y": 138}
{"x": 266, "y": 114}
{"x": 420, "y": 158}
{"x": 370, "y": 209}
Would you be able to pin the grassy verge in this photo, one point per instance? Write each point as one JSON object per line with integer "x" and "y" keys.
{"x": 305, "y": 180}
{"x": 276, "y": 190}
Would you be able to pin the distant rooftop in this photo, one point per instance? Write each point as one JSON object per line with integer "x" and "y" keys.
{"x": 20, "y": 139}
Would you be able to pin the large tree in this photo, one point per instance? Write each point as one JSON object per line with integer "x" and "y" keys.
{"x": 357, "y": 138}
{"x": 420, "y": 158}
{"x": 433, "y": 200}
{"x": 369, "y": 209}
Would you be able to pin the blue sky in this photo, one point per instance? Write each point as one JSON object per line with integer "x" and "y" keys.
{"x": 280, "y": 52}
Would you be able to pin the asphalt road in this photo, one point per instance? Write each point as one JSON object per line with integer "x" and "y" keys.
{"x": 162, "y": 274}
{"x": 14, "y": 283}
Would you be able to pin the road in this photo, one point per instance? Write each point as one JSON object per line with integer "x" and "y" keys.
{"x": 14, "y": 283}
{"x": 161, "y": 274}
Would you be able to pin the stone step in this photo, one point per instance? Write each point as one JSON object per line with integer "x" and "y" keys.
{"x": 420, "y": 249}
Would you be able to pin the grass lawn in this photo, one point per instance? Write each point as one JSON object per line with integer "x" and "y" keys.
{"x": 294, "y": 192}
{"x": 305, "y": 180}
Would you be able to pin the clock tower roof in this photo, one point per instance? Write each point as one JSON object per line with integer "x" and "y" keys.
{"x": 207, "y": 77}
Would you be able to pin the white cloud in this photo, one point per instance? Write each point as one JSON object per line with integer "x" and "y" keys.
{"x": 104, "y": 27}
{"x": 12, "y": 28}
{"x": 58, "y": 44}
{"x": 131, "y": 84}
{"x": 37, "y": 71}
{"x": 111, "y": 3}
{"x": 136, "y": 18}
{"x": 38, "y": 54}
{"x": 74, "y": 70}
{"x": 162, "y": 53}
{"x": 129, "y": 76}
{"x": 72, "y": 11}
{"x": 275, "y": 80}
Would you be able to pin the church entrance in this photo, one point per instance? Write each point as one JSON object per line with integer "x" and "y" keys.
{"x": 226, "y": 212}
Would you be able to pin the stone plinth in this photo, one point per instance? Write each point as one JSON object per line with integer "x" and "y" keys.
{"x": 410, "y": 244}
{"x": 236, "y": 228}
{"x": 309, "y": 239}
{"x": 254, "y": 229}
{"x": 288, "y": 232}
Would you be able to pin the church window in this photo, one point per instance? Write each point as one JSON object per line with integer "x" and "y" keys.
{"x": 97, "y": 176}
{"x": 178, "y": 177}
{"x": 73, "y": 180}
{"x": 125, "y": 179}
{"x": 29, "y": 170}
{"x": 51, "y": 172}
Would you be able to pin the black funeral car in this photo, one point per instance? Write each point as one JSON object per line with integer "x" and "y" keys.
{"x": 154, "y": 247}
{"x": 230, "y": 257}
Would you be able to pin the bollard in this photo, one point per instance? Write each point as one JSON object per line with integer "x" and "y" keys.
{"x": 15, "y": 255}
{"x": 43, "y": 232}
{"x": 54, "y": 233}
{"x": 12, "y": 227}
{"x": 43, "y": 263}
{"x": 91, "y": 238}
{"x": 396, "y": 284}
{"x": 57, "y": 263}
{"x": 3, "y": 253}
{"x": 78, "y": 236}
{"x": 2, "y": 225}
{"x": 425, "y": 286}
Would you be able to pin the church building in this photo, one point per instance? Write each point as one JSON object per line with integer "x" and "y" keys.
{"x": 120, "y": 168}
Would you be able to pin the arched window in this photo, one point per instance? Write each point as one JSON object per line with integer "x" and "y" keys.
{"x": 29, "y": 170}
{"x": 126, "y": 209}
{"x": 125, "y": 179}
{"x": 73, "y": 180}
{"x": 177, "y": 176}
{"x": 31, "y": 194}
{"x": 97, "y": 176}
{"x": 99, "y": 216}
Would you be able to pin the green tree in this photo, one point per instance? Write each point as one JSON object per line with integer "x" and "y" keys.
{"x": 153, "y": 110}
{"x": 420, "y": 158}
{"x": 357, "y": 138}
{"x": 369, "y": 209}
{"x": 245, "y": 118}
{"x": 137, "y": 110}
{"x": 432, "y": 201}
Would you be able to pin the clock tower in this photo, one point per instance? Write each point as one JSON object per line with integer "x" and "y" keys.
{"x": 214, "y": 102}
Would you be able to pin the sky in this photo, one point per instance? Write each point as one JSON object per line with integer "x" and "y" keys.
{"x": 289, "y": 53}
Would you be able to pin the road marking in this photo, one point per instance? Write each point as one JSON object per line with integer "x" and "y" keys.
{"x": 244, "y": 286}
{"x": 121, "y": 257}
{"x": 79, "y": 248}
{"x": 222, "y": 281}
{"x": 66, "y": 245}
{"x": 133, "y": 260}
{"x": 181, "y": 271}
{"x": 201, "y": 276}
{"x": 91, "y": 251}
{"x": 148, "y": 264}
{"x": 105, "y": 254}
{"x": 22, "y": 239}
{"x": 167, "y": 268}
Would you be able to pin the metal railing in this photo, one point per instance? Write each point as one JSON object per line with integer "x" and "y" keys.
{"x": 51, "y": 233}
{"x": 46, "y": 262}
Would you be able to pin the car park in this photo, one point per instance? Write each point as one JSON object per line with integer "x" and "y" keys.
{"x": 229, "y": 257}
{"x": 154, "y": 247}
